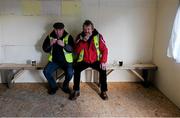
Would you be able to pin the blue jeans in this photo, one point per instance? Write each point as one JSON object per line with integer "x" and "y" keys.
{"x": 51, "y": 67}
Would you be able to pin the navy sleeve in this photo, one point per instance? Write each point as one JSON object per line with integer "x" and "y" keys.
{"x": 46, "y": 45}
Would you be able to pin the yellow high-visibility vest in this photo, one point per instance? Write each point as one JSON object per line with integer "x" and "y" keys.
{"x": 68, "y": 55}
{"x": 96, "y": 43}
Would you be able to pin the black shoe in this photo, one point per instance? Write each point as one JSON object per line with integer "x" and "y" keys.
{"x": 104, "y": 96}
{"x": 52, "y": 91}
{"x": 66, "y": 90}
{"x": 74, "y": 95}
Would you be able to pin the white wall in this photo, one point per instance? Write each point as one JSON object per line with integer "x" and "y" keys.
{"x": 127, "y": 26}
{"x": 168, "y": 74}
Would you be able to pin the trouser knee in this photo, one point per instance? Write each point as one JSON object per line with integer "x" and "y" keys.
{"x": 47, "y": 74}
{"x": 69, "y": 75}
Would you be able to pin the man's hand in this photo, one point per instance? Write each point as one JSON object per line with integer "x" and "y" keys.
{"x": 103, "y": 66}
{"x": 61, "y": 43}
{"x": 53, "y": 41}
{"x": 77, "y": 41}
{"x": 86, "y": 37}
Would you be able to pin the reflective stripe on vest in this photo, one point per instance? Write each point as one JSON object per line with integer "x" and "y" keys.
{"x": 96, "y": 43}
{"x": 50, "y": 54}
{"x": 68, "y": 55}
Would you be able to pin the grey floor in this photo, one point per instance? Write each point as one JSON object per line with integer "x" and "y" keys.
{"x": 125, "y": 99}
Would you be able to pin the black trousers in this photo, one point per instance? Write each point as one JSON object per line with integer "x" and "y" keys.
{"x": 80, "y": 66}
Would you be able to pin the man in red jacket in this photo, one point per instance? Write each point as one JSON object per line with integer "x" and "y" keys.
{"x": 91, "y": 52}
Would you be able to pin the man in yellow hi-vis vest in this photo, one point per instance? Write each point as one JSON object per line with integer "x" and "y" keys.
{"x": 91, "y": 52}
{"x": 59, "y": 44}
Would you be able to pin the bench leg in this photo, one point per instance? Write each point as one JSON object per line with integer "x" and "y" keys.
{"x": 109, "y": 71}
{"x": 146, "y": 76}
{"x": 9, "y": 79}
{"x": 12, "y": 76}
{"x": 59, "y": 75}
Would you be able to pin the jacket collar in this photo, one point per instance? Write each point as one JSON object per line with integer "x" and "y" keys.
{"x": 55, "y": 36}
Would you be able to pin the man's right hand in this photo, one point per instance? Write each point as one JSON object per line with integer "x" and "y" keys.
{"x": 77, "y": 41}
{"x": 86, "y": 37}
{"x": 53, "y": 41}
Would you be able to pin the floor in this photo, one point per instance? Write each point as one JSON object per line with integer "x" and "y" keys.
{"x": 125, "y": 99}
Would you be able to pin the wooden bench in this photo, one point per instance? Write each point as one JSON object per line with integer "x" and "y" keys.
{"x": 15, "y": 70}
{"x": 146, "y": 70}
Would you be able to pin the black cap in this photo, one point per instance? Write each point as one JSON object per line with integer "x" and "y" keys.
{"x": 58, "y": 25}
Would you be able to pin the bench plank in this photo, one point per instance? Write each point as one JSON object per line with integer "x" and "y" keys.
{"x": 6, "y": 66}
{"x": 145, "y": 68}
{"x": 134, "y": 66}
{"x": 40, "y": 66}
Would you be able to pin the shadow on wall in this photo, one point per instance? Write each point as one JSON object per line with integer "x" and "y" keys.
{"x": 74, "y": 32}
{"x": 74, "y": 27}
{"x": 38, "y": 47}
{"x": 44, "y": 56}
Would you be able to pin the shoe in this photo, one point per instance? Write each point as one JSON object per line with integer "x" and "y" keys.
{"x": 104, "y": 96}
{"x": 52, "y": 91}
{"x": 74, "y": 95}
{"x": 66, "y": 90}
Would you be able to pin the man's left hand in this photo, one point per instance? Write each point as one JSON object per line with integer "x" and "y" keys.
{"x": 103, "y": 66}
{"x": 60, "y": 42}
